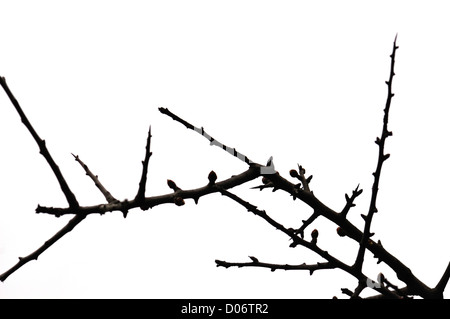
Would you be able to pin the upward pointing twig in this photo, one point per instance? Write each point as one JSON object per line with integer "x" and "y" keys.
{"x": 440, "y": 287}
{"x": 73, "y": 203}
{"x": 99, "y": 185}
{"x": 140, "y": 196}
{"x": 381, "y": 158}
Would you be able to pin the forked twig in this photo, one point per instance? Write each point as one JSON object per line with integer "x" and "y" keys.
{"x": 271, "y": 180}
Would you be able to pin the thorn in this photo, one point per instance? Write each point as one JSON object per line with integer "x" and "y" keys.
{"x": 386, "y": 156}
{"x": 364, "y": 217}
{"x": 254, "y": 259}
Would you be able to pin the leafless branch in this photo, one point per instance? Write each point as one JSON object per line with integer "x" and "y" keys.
{"x": 42, "y": 147}
{"x": 382, "y": 157}
{"x": 271, "y": 179}
{"x": 256, "y": 263}
{"x": 105, "y": 192}
{"x": 140, "y": 196}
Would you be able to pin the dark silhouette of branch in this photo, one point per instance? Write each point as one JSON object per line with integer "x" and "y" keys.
{"x": 34, "y": 255}
{"x": 256, "y": 263}
{"x": 113, "y": 204}
{"x": 105, "y": 192}
{"x": 271, "y": 180}
{"x": 268, "y": 169}
{"x": 140, "y": 196}
{"x": 350, "y": 201}
{"x": 42, "y": 147}
{"x": 382, "y": 157}
{"x": 440, "y": 287}
{"x": 152, "y": 201}
{"x": 332, "y": 262}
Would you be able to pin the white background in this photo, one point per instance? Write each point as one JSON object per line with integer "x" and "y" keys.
{"x": 302, "y": 81}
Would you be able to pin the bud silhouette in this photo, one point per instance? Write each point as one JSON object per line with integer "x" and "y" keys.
{"x": 172, "y": 185}
{"x": 212, "y": 177}
{"x": 340, "y": 232}
{"x": 293, "y": 173}
{"x": 314, "y": 235}
{"x": 179, "y": 201}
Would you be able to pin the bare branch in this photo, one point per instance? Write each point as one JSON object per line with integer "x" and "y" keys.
{"x": 332, "y": 262}
{"x": 268, "y": 169}
{"x": 97, "y": 183}
{"x": 73, "y": 203}
{"x": 440, "y": 287}
{"x": 381, "y": 158}
{"x": 350, "y": 200}
{"x": 34, "y": 256}
{"x": 149, "y": 202}
{"x": 140, "y": 196}
{"x": 256, "y": 263}
{"x": 306, "y": 223}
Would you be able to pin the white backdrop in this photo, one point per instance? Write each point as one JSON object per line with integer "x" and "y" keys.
{"x": 300, "y": 81}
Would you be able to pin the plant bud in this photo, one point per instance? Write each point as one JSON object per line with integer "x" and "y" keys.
{"x": 179, "y": 201}
{"x": 212, "y": 177}
{"x": 340, "y": 232}
{"x": 265, "y": 180}
{"x": 172, "y": 185}
{"x": 293, "y": 173}
{"x": 315, "y": 234}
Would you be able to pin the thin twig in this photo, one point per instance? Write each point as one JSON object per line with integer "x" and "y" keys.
{"x": 73, "y": 203}
{"x": 440, "y": 287}
{"x": 71, "y": 199}
{"x": 306, "y": 223}
{"x": 332, "y": 262}
{"x": 105, "y": 192}
{"x": 268, "y": 169}
{"x": 149, "y": 202}
{"x": 256, "y": 263}
{"x": 381, "y": 159}
{"x": 140, "y": 196}
{"x": 350, "y": 201}
{"x": 34, "y": 255}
